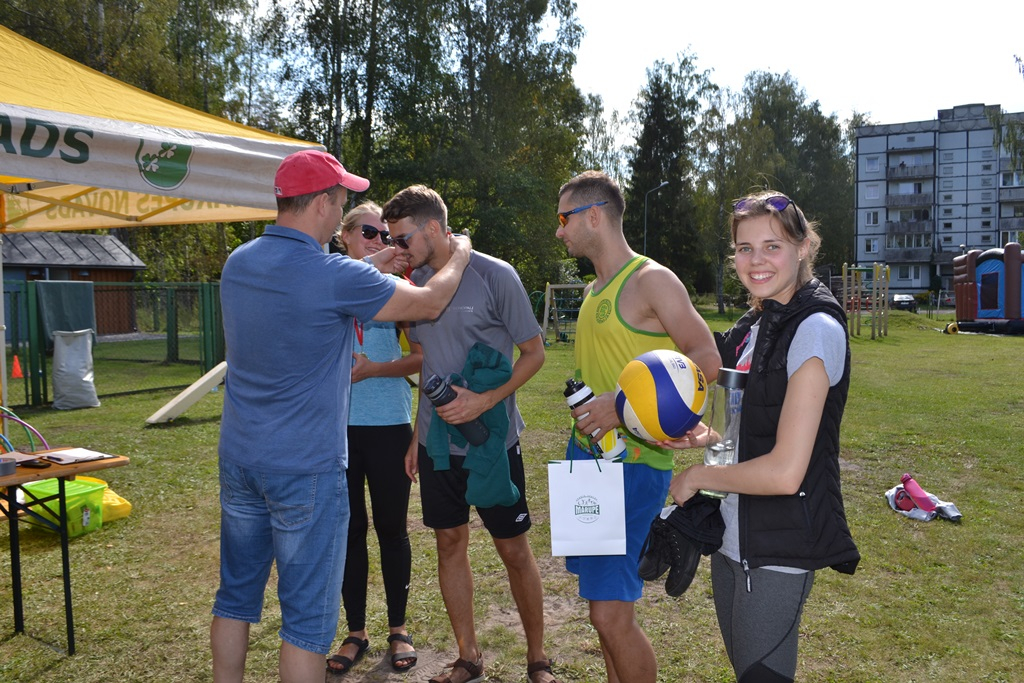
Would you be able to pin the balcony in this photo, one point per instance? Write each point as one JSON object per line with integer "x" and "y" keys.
{"x": 905, "y": 227}
{"x": 1011, "y": 223}
{"x": 903, "y": 201}
{"x": 903, "y": 171}
{"x": 1011, "y": 194}
{"x": 908, "y": 255}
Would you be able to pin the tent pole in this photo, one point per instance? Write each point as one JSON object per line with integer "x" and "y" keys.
{"x": 3, "y": 346}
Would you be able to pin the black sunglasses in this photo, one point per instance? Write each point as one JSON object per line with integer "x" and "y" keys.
{"x": 370, "y": 233}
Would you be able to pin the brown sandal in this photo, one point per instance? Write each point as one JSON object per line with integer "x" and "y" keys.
{"x": 537, "y": 667}
{"x": 475, "y": 671}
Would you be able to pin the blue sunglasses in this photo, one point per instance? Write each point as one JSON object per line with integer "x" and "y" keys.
{"x": 563, "y": 218}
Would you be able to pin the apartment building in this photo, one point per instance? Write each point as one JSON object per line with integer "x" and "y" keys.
{"x": 929, "y": 190}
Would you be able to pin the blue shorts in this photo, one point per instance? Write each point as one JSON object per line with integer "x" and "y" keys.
{"x": 301, "y": 523}
{"x": 614, "y": 577}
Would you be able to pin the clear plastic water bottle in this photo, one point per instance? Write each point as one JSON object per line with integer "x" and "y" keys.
{"x": 611, "y": 445}
{"x": 724, "y": 421}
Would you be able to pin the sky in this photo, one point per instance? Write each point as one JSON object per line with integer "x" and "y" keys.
{"x": 897, "y": 61}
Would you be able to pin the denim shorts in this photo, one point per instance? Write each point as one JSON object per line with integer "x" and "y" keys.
{"x": 298, "y": 521}
{"x": 615, "y": 577}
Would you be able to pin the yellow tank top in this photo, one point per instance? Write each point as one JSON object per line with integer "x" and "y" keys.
{"x": 605, "y": 343}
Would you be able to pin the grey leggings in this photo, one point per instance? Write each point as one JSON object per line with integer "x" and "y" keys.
{"x": 760, "y": 627}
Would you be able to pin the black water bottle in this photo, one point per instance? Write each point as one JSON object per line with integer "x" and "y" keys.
{"x": 440, "y": 392}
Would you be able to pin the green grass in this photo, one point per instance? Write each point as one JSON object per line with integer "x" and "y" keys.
{"x": 120, "y": 367}
{"x": 930, "y": 601}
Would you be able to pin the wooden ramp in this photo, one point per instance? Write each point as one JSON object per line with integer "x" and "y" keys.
{"x": 187, "y": 398}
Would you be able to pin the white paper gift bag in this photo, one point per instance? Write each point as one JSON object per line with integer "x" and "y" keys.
{"x": 588, "y": 511}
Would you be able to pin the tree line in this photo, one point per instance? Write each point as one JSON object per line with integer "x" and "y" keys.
{"x": 476, "y": 99}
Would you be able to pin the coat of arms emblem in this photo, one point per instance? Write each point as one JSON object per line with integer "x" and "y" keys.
{"x": 166, "y": 167}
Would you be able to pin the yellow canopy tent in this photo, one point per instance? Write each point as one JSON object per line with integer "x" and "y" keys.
{"x": 81, "y": 150}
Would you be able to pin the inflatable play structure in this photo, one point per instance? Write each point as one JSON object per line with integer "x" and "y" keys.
{"x": 989, "y": 289}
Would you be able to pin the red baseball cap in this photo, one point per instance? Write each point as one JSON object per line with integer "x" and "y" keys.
{"x": 312, "y": 171}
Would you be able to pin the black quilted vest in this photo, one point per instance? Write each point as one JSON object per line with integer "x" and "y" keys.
{"x": 807, "y": 530}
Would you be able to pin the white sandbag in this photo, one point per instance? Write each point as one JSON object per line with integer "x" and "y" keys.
{"x": 73, "y": 385}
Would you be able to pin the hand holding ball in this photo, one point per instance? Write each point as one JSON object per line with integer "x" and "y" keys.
{"x": 660, "y": 395}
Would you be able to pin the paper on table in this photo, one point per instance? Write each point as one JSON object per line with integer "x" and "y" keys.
{"x": 19, "y": 456}
{"x": 73, "y": 455}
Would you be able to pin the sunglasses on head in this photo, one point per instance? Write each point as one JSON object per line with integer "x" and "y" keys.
{"x": 370, "y": 233}
{"x": 779, "y": 202}
{"x": 563, "y": 217}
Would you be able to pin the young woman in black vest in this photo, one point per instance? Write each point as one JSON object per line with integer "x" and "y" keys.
{"x": 784, "y": 514}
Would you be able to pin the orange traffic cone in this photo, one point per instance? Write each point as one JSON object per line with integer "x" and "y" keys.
{"x": 16, "y": 369}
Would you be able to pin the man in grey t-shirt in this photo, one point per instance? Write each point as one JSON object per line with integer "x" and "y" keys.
{"x": 491, "y": 308}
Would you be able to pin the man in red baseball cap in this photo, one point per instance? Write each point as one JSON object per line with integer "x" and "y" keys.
{"x": 312, "y": 170}
{"x": 289, "y": 310}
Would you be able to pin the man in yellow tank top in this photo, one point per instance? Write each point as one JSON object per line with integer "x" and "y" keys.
{"x": 633, "y": 306}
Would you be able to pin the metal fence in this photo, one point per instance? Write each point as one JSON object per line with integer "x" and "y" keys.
{"x": 147, "y": 337}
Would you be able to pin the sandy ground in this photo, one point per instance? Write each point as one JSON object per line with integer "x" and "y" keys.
{"x": 375, "y": 667}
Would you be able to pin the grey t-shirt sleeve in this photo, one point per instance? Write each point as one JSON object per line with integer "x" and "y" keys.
{"x": 513, "y": 304}
{"x": 819, "y": 336}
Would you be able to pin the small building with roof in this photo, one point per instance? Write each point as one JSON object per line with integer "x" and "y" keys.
{"x": 70, "y": 256}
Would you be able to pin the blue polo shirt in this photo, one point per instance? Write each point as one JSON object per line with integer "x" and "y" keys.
{"x": 288, "y": 312}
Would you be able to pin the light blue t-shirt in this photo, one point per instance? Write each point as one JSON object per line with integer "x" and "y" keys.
{"x": 379, "y": 400}
{"x": 288, "y": 313}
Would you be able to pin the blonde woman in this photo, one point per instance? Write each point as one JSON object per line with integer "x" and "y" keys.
{"x": 784, "y": 515}
{"x": 379, "y": 433}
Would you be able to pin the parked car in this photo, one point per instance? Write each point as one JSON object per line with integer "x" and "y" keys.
{"x": 904, "y": 302}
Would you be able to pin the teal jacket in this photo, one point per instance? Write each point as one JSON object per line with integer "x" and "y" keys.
{"x": 489, "y": 482}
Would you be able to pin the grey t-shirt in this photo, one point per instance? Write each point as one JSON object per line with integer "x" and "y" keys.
{"x": 491, "y": 306}
{"x": 819, "y": 336}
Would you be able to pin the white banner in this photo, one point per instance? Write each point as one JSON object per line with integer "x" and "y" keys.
{"x": 43, "y": 145}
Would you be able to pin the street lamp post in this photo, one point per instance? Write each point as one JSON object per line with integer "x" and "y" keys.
{"x": 653, "y": 189}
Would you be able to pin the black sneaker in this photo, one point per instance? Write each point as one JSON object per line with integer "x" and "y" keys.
{"x": 653, "y": 556}
{"x": 683, "y": 556}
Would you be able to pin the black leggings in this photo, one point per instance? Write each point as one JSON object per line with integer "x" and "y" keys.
{"x": 376, "y": 455}
{"x": 760, "y": 627}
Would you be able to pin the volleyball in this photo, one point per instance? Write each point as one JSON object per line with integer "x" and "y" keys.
{"x": 660, "y": 395}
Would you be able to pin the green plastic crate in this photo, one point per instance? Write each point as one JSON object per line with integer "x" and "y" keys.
{"x": 84, "y": 504}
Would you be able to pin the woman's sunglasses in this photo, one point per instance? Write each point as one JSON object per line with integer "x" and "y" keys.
{"x": 779, "y": 202}
{"x": 370, "y": 233}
